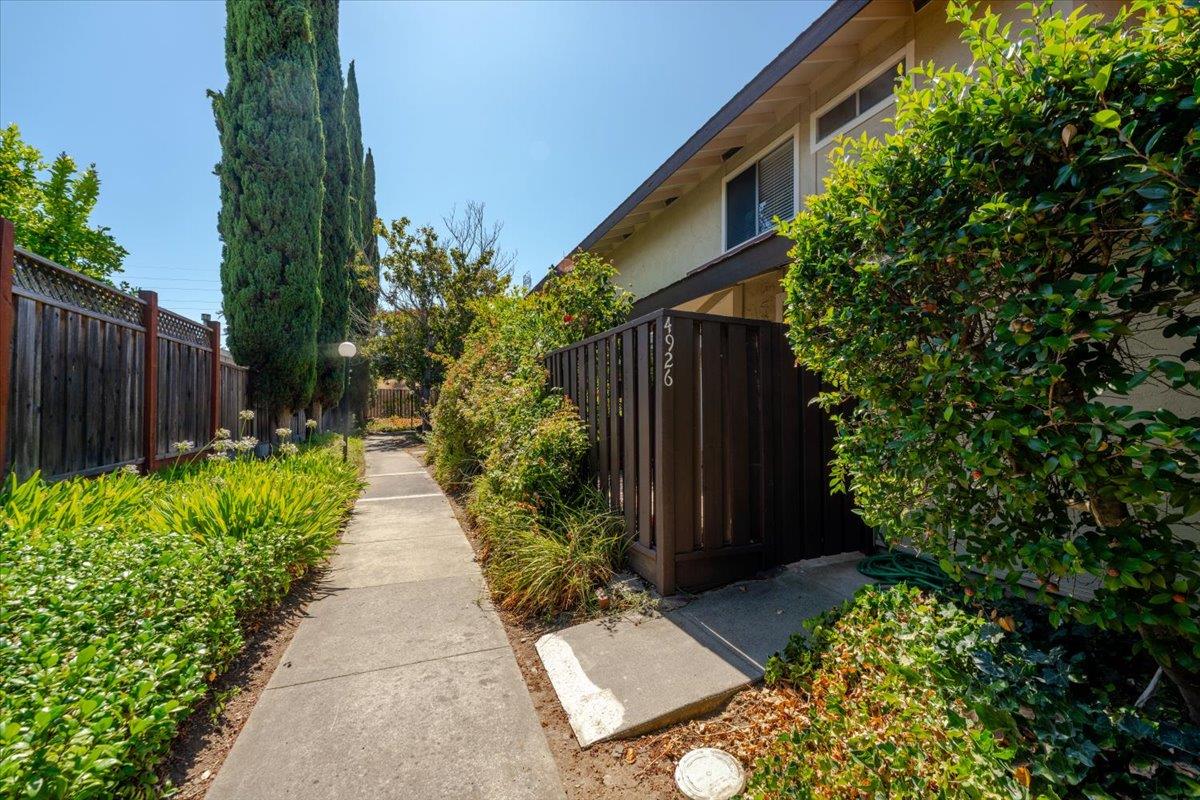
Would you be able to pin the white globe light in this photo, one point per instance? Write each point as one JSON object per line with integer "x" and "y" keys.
{"x": 347, "y": 350}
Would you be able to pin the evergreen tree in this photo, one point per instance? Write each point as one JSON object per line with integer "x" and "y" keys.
{"x": 337, "y": 240}
{"x": 364, "y": 294}
{"x": 355, "y": 143}
{"x": 271, "y": 169}
{"x": 364, "y": 297}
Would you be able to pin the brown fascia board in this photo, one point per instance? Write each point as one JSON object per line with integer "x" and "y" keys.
{"x": 837, "y": 15}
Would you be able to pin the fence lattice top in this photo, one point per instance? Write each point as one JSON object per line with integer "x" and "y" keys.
{"x": 182, "y": 328}
{"x": 48, "y": 279}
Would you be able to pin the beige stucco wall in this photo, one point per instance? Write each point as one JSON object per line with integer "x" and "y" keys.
{"x": 688, "y": 233}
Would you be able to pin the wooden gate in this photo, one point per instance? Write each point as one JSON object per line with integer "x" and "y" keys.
{"x": 703, "y": 437}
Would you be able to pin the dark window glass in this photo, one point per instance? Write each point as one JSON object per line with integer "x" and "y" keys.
{"x": 836, "y": 117}
{"x": 741, "y": 203}
{"x": 879, "y": 89}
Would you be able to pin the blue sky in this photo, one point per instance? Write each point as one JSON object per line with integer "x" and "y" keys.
{"x": 549, "y": 113}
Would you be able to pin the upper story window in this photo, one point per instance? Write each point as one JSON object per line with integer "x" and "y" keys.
{"x": 762, "y": 191}
{"x": 860, "y": 101}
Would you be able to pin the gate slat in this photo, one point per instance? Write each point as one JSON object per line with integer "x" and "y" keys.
{"x": 713, "y": 435}
{"x": 740, "y": 427}
{"x": 629, "y": 459}
{"x": 645, "y": 403}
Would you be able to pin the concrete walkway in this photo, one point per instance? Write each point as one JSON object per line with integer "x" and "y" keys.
{"x": 620, "y": 679}
{"x": 400, "y": 683}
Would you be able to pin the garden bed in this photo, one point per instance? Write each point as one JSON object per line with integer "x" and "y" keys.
{"x": 124, "y": 599}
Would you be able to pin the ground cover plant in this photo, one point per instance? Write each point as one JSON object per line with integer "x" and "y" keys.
{"x": 518, "y": 446}
{"x": 902, "y": 693}
{"x": 121, "y": 598}
{"x": 1006, "y": 292}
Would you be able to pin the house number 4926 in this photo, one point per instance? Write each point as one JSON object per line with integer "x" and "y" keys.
{"x": 669, "y": 356}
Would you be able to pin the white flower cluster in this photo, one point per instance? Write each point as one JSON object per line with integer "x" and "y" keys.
{"x": 288, "y": 449}
{"x": 183, "y": 447}
{"x": 245, "y": 444}
{"x": 130, "y": 469}
{"x": 283, "y": 433}
{"x": 311, "y": 424}
{"x": 222, "y": 433}
{"x": 245, "y": 415}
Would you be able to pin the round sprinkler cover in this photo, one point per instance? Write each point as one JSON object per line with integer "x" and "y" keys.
{"x": 709, "y": 774}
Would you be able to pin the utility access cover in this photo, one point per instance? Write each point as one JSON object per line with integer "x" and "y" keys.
{"x": 709, "y": 774}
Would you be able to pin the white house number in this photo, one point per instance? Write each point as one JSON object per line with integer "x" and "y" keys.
{"x": 669, "y": 356}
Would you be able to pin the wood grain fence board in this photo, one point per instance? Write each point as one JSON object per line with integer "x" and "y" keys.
{"x": 600, "y": 434}
{"x": 26, "y": 380}
{"x": 629, "y": 460}
{"x": 812, "y": 448}
{"x": 54, "y": 399}
{"x": 644, "y": 378}
{"x": 739, "y": 423}
{"x": 589, "y": 359}
{"x": 616, "y": 464}
{"x": 712, "y": 390}
{"x": 75, "y": 368}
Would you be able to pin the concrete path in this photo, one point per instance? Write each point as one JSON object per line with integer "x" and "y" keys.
{"x": 400, "y": 683}
{"x": 617, "y": 680}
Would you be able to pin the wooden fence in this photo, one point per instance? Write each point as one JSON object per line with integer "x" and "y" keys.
{"x": 703, "y": 437}
{"x": 397, "y": 402}
{"x": 92, "y": 379}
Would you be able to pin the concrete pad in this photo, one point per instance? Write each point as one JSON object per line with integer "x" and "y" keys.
{"x": 408, "y": 732}
{"x": 617, "y": 680}
{"x": 418, "y": 504}
{"x": 359, "y": 630}
{"x": 401, "y": 484}
{"x": 383, "y": 529}
{"x": 377, "y": 563}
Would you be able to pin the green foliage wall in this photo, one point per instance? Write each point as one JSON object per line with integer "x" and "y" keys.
{"x": 985, "y": 284}
{"x": 50, "y": 206}
{"x": 519, "y": 445}
{"x": 337, "y": 242}
{"x": 271, "y": 171}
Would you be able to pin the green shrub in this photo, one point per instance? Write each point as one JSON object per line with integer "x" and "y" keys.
{"x": 910, "y": 696}
{"x": 991, "y": 284}
{"x": 518, "y": 445}
{"x": 120, "y": 599}
{"x": 546, "y": 563}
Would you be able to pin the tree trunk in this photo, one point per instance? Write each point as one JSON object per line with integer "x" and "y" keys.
{"x": 1188, "y": 684}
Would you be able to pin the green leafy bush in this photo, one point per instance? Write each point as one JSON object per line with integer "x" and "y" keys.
{"x": 997, "y": 286}
{"x": 120, "y": 599}
{"x": 518, "y": 445}
{"x": 911, "y": 696}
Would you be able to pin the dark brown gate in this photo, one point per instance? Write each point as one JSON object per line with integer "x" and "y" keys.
{"x": 703, "y": 437}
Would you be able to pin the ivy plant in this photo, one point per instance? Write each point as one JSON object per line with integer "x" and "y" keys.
{"x": 1008, "y": 288}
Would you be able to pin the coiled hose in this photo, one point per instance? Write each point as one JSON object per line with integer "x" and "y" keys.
{"x": 896, "y": 567}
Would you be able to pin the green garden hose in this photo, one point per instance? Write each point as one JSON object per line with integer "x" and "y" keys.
{"x": 895, "y": 567}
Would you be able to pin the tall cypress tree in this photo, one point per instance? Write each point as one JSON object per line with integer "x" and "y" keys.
{"x": 365, "y": 295}
{"x": 271, "y": 168}
{"x": 355, "y": 143}
{"x": 337, "y": 239}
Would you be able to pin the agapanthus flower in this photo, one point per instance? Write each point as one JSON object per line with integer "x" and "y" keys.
{"x": 288, "y": 449}
{"x": 246, "y": 415}
{"x": 221, "y": 433}
{"x": 283, "y": 433}
{"x": 183, "y": 446}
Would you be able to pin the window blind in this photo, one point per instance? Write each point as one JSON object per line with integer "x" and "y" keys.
{"x": 776, "y": 185}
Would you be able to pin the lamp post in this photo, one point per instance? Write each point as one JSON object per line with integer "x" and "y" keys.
{"x": 347, "y": 351}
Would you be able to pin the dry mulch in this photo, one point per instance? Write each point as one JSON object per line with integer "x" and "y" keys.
{"x": 642, "y": 768}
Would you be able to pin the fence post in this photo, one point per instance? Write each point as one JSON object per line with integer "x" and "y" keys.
{"x": 150, "y": 390}
{"x": 7, "y": 318}
{"x": 214, "y": 406}
{"x": 664, "y": 457}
